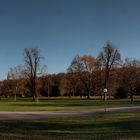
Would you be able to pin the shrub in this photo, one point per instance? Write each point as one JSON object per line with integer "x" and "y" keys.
{"x": 120, "y": 93}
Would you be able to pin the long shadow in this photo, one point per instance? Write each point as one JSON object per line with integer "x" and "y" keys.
{"x": 65, "y": 127}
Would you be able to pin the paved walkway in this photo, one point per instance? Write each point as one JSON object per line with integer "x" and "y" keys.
{"x": 4, "y": 115}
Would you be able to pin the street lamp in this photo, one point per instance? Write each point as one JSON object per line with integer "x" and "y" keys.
{"x": 105, "y": 98}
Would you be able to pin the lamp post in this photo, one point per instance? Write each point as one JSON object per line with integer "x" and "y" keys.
{"x": 105, "y": 93}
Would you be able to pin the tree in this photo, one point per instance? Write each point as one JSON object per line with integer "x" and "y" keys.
{"x": 85, "y": 66}
{"x": 32, "y": 59}
{"x": 109, "y": 57}
{"x": 46, "y": 85}
{"x": 74, "y": 86}
{"x": 130, "y": 75}
{"x": 14, "y": 75}
{"x": 120, "y": 93}
{"x": 63, "y": 88}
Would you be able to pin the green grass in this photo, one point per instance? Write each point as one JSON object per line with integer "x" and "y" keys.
{"x": 118, "y": 126}
{"x": 62, "y": 104}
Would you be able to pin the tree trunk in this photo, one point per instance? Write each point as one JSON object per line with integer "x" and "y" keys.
{"x": 70, "y": 95}
{"x": 33, "y": 98}
{"x": 48, "y": 91}
{"x": 81, "y": 95}
{"x": 37, "y": 99}
{"x": 101, "y": 96}
{"x": 88, "y": 94}
{"x": 104, "y": 97}
{"x": 15, "y": 94}
{"x": 15, "y": 97}
{"x": 88, "y": 97}
{"x": 36, "y": 96}
{"x": 131, "y": 97}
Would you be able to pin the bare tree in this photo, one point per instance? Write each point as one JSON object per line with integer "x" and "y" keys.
{"x": 32, "y": 59}
{"x": 109, "y": 57}
{"x": 85, "y": 66}
{"x": 14, "y": 75}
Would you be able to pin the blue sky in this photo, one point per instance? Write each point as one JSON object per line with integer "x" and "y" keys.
{"x": 64, "y": 28}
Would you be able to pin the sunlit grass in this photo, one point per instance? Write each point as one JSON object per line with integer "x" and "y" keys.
{"x": 61, "y": 104}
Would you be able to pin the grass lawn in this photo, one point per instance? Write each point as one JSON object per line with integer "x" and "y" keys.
{"x": 118, "y": 126}
{"x": 62, "y": 104}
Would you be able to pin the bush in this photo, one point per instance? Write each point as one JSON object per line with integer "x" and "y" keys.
{"x": 120, "y": 93}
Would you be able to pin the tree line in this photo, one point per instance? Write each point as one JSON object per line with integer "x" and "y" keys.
{"x": 86, "y": 76}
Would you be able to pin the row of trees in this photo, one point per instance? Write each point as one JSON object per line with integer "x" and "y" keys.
{"x": 86, "y": 76}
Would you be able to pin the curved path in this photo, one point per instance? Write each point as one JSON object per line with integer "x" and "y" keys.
{"x": 5, "y": 115}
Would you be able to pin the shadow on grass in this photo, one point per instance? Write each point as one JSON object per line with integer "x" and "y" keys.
{"x": 77, "y": 128}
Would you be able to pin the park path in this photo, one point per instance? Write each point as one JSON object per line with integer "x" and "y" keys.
{"x": 7, "y": 115}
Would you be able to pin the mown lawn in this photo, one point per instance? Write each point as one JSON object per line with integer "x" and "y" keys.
{"x": 118, "y": 126}
{"x": 62, "y": 104}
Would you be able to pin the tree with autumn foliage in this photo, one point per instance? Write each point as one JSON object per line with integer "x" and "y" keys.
{"x": 130, "y": 77}
{"x": 85, "y": 66}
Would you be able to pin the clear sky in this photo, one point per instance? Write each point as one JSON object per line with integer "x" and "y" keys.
{"x": 64, "y": 28}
